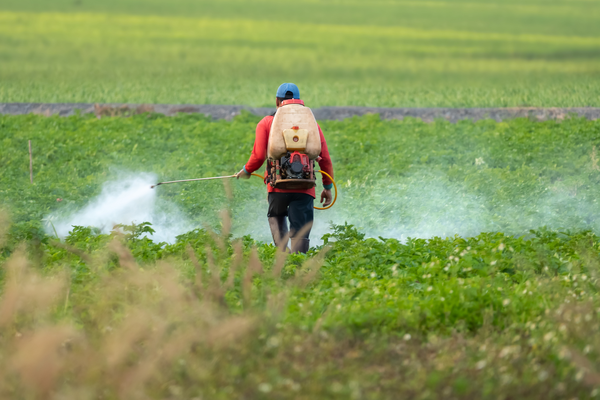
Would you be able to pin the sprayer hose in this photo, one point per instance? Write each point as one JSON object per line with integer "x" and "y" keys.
{"x": 336, "y": 191}
{"x": 324, "y": 173}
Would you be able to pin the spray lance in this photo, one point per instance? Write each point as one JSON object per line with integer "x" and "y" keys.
{"x": 257, "y": 175}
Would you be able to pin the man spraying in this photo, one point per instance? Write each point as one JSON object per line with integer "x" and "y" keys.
{"x": 291, "y": 141}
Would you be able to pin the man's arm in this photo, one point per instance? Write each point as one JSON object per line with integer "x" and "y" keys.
{"x": 259, "y": 151}
{"x": 326, "y": 165}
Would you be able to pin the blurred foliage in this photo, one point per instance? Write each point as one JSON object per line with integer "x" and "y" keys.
{"x": 378, "y": 53}
{"x": 119, "y": 316}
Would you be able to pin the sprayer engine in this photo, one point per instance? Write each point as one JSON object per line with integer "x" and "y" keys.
{"x": 293, "y": 171}
{"x": 295, "y": 166}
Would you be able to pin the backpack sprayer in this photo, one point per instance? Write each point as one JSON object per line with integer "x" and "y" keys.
{"x": 294, "y": 146}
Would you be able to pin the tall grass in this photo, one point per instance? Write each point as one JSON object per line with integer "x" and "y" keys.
{"x": 171, "y": 328}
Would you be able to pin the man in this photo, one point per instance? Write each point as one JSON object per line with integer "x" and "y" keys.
{"x": 295, "y": 204}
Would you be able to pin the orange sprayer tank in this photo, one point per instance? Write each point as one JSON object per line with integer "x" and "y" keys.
{"x": 294, "y": 128}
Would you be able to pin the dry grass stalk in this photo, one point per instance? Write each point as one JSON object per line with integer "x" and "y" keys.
{"x": 71, "y": 249}
{"x": 4, "y": 225}
{"x": 228, "y": 189}
{"x": 280, "y": 259}
{"x": 254, "y": 266}
{"x": 38, "y": 359}
{"x": 194, "y": 259}
{"x": 238, "y": 255}
{"x": 225, "y": 224}
{"x": 215, "y": 289}
{"x": 26, "y": 291}
{"x": 228, "y": 331}
{"x": 126, "y": 259}
{"x": 310, "y": 269}
{"x": 138, "y": 324}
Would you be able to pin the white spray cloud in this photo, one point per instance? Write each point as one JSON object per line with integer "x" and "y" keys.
{"x": 125, "y": 201}
{"x": 421, "y": 205}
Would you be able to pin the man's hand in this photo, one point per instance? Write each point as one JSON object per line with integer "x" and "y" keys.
{"x": 326, "y": 196}
{"x": 243, "y": 174}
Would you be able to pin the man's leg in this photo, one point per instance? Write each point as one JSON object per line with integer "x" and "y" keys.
{"x": 301, "y": 214}
{"x": 277, "y": 214}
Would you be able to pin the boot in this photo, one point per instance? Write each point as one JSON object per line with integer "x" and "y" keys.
{"x": 300, "y": 245}
{"x": 279, "y": 230}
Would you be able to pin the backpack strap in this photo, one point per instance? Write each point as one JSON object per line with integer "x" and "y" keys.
{"x": 292, "y": 101}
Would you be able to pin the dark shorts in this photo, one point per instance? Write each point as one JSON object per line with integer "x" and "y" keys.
{"x": 298, "y": 207}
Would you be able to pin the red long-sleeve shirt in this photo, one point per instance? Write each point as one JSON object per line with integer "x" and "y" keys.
{"x": 259, "y": 155}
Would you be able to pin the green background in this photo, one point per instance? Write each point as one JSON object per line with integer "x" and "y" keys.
{"x": 376, "y": 53}
{"x": 395, "y": 178}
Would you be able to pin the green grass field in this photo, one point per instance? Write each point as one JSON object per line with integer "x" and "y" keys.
{"x": 461, "y": 261}
{"x": 392, "y": 53}
{"x": 507, "y": 309}
{"x": 396, "y": 178}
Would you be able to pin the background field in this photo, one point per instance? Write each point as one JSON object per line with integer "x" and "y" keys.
{"x": 392, "y": 53}
{"x": 396, "y": 178}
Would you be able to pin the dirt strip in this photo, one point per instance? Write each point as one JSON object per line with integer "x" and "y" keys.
{"x": 336, "y": 113}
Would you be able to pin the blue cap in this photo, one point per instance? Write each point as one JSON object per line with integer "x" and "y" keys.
{"x": 288, "y": 87}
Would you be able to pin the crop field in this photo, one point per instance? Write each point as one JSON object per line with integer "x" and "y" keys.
{"x": 466, "y": 265}
{"x": 379, "y": 53}
{"x": 461, "y": 261}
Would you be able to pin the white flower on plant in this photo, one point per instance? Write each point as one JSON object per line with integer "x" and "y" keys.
{"x": 407, "y": 337}
{"x": 273, "y": 341}
{"x": 430, "y": 288}
{"x": 479, "y": 161}
{"x": 501, "y": 246}
{"x": 506, "y": 351}
{"x": 588, "y": 317}
{"x": 505, "y": 302}
{"x": 265, "y": 387}
{"x": 480, "y": 364}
